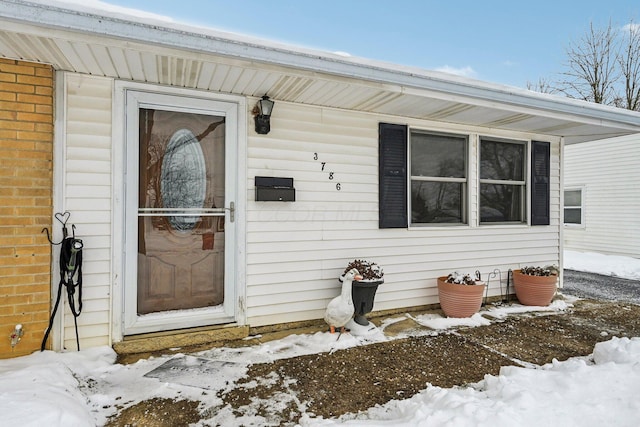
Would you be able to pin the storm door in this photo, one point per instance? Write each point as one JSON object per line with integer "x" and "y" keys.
{"x": 180, "y": 222}
{"x": 181, "y": 215}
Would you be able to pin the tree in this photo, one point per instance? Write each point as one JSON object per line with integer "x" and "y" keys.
{"x": 603, "y": 66}
{"x": 629, "y": 63}
{"x": 543, "y": 86}
{"x": 591, "y": 66}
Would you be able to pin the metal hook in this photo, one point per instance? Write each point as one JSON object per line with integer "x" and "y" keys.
{"x": 497, "y": 273}
{"x": 63, "y": 217}
{"x": 49, "y": 237}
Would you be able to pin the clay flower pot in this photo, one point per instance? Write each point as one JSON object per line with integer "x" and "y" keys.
{"x": 534, "y": 290}
{"x": 459, "y": 300}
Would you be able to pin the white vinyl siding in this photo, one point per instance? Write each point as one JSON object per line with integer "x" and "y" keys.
{"x": 609, "y": 172}
{"x": 297, "y": 250}
{"x": 86, "y": 194}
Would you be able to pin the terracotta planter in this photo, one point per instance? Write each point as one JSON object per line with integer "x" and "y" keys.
{"x": 534, "y": 290}
{"x": 459, "y": 300}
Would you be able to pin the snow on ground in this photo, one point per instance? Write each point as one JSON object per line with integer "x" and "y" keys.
{"x": 608, "y": 265}
{"x": 80, "y": 388}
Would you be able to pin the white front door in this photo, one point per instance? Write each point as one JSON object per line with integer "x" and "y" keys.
{"x": 180, "y": 218}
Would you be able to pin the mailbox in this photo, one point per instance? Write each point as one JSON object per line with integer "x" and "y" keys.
{"x": 271, "y": 189}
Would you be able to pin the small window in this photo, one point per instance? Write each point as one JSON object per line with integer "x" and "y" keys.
{"x": 438, "y": 165}
{"x": 573, "y": 207}
{"x": 502, "y": 181}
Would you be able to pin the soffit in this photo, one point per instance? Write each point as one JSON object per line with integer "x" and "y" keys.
{"x": 124, "y": 58}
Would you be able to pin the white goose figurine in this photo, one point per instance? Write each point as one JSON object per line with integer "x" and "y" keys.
{"x": 340, "y": 309}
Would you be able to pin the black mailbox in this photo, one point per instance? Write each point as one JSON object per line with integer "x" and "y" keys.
{"x": 270, "y": 189}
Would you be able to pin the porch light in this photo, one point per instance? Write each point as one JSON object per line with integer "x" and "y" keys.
{"x": 262, "y": 112}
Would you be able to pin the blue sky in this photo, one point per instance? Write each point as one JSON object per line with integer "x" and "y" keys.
{"x": 508, "y": 42}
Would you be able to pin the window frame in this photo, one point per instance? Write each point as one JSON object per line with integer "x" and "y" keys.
{"x": 581, "y": 207}
{"x": 465, "y": 211}
{"x": 393, "y": 178}
{"x": 525, "y": 184}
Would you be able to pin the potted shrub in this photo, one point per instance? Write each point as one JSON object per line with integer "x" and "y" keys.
{"x": 460, "y": 295}
{"x": 363, "y": 291}
{"x": 535, "y": 285}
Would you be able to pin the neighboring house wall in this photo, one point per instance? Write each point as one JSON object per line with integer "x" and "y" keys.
{"x": 26, "y": 150}
{"x": 608, "y": 172}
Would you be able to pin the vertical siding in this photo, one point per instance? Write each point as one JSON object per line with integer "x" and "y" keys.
{"x": 87, "y": 195}
{"x": 296, "y": 251}
{"x": 609, "y": 173}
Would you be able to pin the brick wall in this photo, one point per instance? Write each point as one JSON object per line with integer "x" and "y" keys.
{"x": 26, "y": 165}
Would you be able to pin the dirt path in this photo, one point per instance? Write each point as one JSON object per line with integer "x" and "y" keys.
{"x": 358, "y": 378}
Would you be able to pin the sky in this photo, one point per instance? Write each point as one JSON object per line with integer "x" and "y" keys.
{"x": 500, "y": 41}
{"x": 78, "y": 389}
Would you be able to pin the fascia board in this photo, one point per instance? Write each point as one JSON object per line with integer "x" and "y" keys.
{"x": 169, "y": 34}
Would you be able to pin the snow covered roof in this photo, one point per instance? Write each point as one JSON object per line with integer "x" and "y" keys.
{"x": 118, "y": 43}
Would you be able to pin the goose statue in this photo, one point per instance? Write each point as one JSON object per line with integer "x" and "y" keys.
{"x": 340, "y": 309}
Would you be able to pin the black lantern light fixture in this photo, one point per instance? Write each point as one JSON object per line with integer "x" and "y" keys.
{"x": 262, "y": 112}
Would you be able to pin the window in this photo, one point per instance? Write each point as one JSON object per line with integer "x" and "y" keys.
{"x": 502, "y": 181}
{"x": 573, "y": 206}
{"x": 438, "y": 178}
{"x": 436, "y": 168}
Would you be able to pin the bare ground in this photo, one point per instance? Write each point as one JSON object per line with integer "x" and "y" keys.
{"x": 355, "y": 379}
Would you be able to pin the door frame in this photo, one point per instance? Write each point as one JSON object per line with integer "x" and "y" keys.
{"x": 129, "y": 96}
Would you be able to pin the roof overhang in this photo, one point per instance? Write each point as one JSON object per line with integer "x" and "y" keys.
{"x": 123, "y": 46}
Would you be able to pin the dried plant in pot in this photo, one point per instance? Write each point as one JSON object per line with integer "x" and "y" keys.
{"x": 363, "y": 291}
{"x": 460, "y": 295}
{"x": 535, "y": 285}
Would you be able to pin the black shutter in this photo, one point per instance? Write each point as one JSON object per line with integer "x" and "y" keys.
{"x": 392, "y": 176}
{"x": 540, "y": 189}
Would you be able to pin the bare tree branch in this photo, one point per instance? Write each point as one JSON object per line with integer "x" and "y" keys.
{"x": 591, "y": 63}
{"x": 543, "y": 86}
{"x": 629, "y": 63}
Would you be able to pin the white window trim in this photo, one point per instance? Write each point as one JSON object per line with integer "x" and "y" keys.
{"x": 582, "y": 190}
{"x": 526, "y": 201}
{"x": 466, "y": 211}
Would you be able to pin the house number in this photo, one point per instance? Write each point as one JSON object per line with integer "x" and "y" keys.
{"x": 322, "y": 168}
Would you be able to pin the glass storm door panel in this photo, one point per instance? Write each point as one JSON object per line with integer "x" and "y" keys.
{"x": 181, "y": 217}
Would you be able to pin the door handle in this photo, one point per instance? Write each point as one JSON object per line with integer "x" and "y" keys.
{"x": 232, "y": 211}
